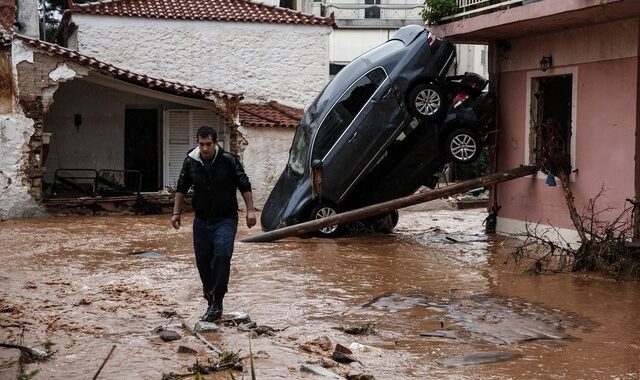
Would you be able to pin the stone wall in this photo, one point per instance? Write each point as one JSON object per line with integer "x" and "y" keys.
{"x": 266, "y": 61}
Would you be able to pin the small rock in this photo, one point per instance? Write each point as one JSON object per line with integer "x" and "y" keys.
{"x": 360, "y": 376}
{"x": 169, "y": 335}
{"x": 264, "y": 330}
{"x": 187, "y": 350}
{"x": 343, "y": 349}
{"x": 202, "y": 326}
{"x": 356, "y": 365}
{"x": 320, "y": 345}
{"x": 157, "y": 330}
{"x": 342, "y": 357}
{"x": 235, "y": 318}
{"x": 168, "y": 314}
{"x": 320, "y": 371}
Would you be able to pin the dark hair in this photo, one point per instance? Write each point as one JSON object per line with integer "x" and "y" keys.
{"x": 207, "y": 131}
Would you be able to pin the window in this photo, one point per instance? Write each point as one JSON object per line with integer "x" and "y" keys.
{"x": 345, "y": 110}
{"x": 298, "y": 152}
{"x": 372, "y": 12}
{"x": 290, "y": 4}
{"x": 551, "y": 114}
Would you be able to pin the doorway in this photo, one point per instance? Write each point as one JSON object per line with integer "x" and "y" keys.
{"x": 141, "y": 146}
{"x": 552, "y": 115}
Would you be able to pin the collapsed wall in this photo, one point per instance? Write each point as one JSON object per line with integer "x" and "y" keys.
{"x": 33, "y": 79}
{"x": 16, "y": 190}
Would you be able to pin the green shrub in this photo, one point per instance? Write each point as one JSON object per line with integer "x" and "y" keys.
{"x": 434, "y": 10}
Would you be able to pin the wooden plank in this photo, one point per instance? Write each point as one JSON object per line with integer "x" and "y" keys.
{"x": 386, "y": 207}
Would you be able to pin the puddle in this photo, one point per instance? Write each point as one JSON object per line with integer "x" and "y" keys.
{"x": 477, "y": 358}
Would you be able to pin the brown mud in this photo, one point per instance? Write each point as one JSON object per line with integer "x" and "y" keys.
{"x": 432, "y": 306}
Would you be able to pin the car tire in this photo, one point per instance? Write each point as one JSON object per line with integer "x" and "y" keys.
{"x": 323, "y": 211}
{"x": 388, "y": 222}
{"x": 426, "y": 101}
{"x": 463, "y": 145}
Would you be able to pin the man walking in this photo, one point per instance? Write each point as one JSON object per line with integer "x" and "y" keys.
{"x": 215, "y": 176}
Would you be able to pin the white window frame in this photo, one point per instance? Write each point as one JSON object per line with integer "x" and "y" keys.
{"x": 224, "y": 142}
{"x": 552, "y": 72}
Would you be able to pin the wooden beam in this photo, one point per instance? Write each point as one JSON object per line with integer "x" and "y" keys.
{"x": 386, "y": 207}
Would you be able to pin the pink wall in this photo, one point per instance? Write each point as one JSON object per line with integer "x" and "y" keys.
{"x": 605, "y": 142}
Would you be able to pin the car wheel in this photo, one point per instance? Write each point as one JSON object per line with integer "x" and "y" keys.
{"x": 323, "y": 211}
{"x": 463, "y": 145}
{"x": 426, "y": 101}
{"x": 388, "y": 222}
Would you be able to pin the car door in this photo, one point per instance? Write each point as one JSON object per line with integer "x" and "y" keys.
{"x": 354, "y": 131}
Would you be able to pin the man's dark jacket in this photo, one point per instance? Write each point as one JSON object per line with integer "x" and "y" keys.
{"x": 214, "y": 190}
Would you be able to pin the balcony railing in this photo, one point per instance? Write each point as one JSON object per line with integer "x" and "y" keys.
{"x": 472, "y": 7}
{"x": 380, "y": 9}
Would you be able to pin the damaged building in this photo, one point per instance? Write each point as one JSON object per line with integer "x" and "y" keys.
{"x": 72, "y": 125}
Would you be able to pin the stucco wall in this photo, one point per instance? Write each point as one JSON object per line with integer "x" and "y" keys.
{"x": 15, "y": 198}
{"x": 287, "y": 63}
{"x": 604, "y": 128}
{"x": 99, "y": 141}
{"x": 265, "y": 158}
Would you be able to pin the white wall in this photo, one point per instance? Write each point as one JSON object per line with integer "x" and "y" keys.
{"x": 266, "y": 61}
{"x": 265, "y": 158}
{"x": 15, "y": 200}
{"x": 348, "y": 44}
{"x": 470, "y": 59}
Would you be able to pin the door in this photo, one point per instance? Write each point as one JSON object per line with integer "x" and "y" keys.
{"x": 141, "y": 147}
{"x": 354, "y": 132}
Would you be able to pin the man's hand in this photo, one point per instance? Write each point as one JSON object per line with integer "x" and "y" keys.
{"x": 175, "y": 221}
{"x": 251, "y": 218}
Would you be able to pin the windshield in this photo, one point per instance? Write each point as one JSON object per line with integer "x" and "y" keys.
{"x": 298, "y": 152}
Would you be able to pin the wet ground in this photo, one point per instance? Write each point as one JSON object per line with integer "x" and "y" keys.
{"x": 437, "y": 296}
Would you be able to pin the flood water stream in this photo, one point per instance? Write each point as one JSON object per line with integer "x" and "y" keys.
{"x": 434, "y": 304}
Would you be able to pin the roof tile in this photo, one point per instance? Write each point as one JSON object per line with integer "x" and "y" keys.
{"x": 271, "y": 114}
{"x": 212, "y": 10}
{"x": 125, "y": 75}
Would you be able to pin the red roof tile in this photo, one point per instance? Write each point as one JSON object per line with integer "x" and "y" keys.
{"x": 126, "y": 75}
{"x": 271, "y": 114}
{"x": 212, "y": 10}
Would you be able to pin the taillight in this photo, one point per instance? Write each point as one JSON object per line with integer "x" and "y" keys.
{"x": 459, "y": 98}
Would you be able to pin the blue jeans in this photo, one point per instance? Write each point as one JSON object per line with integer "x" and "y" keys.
{"x": 213, "y": 246}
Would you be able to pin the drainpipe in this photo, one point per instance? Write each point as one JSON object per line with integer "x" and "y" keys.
{"x": 636, "y": 208}
{"x": 28, "y": 17}
{"x": 494, "y": 86}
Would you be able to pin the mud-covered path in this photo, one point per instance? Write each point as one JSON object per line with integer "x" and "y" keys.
{"x": 72, "y": 281}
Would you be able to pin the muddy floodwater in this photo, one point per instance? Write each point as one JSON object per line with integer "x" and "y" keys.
{"x": 441, "y": 300}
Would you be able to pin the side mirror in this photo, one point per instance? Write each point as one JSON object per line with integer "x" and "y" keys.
{"x": 316, "y": 164}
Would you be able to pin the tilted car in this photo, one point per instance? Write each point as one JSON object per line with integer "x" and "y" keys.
{"x": 356, "y": 124}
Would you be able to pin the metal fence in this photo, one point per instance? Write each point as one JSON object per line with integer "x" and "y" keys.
{"x": 467, "y": 3}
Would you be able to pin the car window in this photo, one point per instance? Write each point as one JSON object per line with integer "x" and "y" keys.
{"x": 345, "y": 110}
{"x": 356, "y": 68}
{"x": 298, "y": 152}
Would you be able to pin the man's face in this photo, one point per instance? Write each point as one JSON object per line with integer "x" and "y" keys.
{"x": 207, "y": 147}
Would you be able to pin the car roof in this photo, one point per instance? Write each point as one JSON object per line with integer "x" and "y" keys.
{"x": 378, "y": 56}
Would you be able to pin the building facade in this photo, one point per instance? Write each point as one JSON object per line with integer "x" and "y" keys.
{"x": 573, "y": 65}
